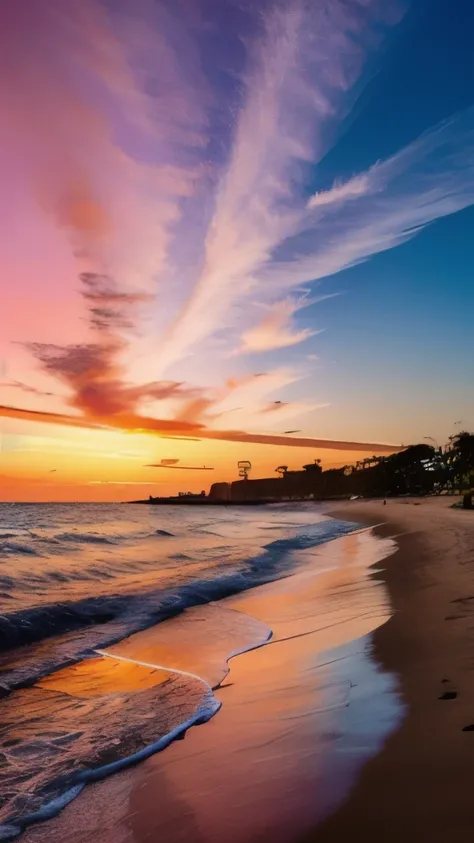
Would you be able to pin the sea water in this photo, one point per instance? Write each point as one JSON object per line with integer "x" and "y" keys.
{"x": 115, "y": 630}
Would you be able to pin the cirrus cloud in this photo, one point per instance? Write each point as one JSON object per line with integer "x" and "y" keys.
{"x": 130, "y": 170}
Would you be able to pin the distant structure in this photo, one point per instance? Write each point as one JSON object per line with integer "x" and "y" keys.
{"x": 244, "y": 467}
{"x": 220, "y": 492}
{"x": 289, "y": 485}
{"x": 417, "y": 470}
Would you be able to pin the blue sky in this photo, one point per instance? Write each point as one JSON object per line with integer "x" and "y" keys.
{"x": 405, "y": 320}
{"x": 399, "y": 338}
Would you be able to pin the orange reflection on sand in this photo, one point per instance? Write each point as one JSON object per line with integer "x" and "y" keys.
{"x": 97, "y": 677}
{"x": 198, "y": 641}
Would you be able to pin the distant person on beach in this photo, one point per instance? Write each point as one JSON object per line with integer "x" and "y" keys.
{"x": 384, "y": 503}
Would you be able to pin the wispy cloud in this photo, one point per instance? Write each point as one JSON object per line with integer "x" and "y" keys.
{"x": 277, "y": 329}
{"x": 100, "y": 114}
{"x": 267, "y": 236}
{"x": 162, "y": 427}
{"x": 428, "y": 179}
{"x": 124, "y": 483}
{"x": 300, "y": 74}
{"x": 173, "y": 464}
{"x": 357, "y": 186}
{"x": 180, "y": 467}
{"x": 24, "y": 387}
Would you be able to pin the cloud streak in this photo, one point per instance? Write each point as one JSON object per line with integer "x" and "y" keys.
{"x": 24, "y": 387}
{"x": 162, "y": 427}
{"x": 266, "y": 236}
{"x": 298, "y": 83}
{"x": 425, "y": 181}
{"x": 180, "y": 467}
{"x": 340, "y": 192}
{"x": 278, "y": 329}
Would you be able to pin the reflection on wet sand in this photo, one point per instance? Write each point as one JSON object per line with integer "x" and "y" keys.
{"x": 102, "y": 676}
{"x": 299, "y": 716}
{"x": 198, "y": 642}
{"x": 298, "y": 720}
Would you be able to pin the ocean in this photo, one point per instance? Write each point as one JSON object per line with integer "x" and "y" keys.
{"x": 118, "y": 623}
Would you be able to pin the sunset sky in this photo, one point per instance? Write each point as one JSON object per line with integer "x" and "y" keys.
{"x": 223, "y": 220}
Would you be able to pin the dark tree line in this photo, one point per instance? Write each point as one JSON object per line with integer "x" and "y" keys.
{"x": 418, "y": 470}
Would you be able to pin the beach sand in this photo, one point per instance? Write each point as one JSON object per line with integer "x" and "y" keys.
{"x": 242, "y": 777}
{"x": 420, "y": 786}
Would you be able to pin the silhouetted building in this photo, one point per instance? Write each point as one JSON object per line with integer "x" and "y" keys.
{"x": 220, "y": 492}
{"x": 289, "y": 485}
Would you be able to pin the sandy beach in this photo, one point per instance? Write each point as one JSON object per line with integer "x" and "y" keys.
{"x": 420, "y": 786}
{"x": 400, "y": 771}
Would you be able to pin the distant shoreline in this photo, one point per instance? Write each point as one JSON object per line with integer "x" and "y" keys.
{"x": 198, "y": 501}
{"x": 205, "y": 501}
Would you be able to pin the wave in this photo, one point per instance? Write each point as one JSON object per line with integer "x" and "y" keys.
{"x": 8, "y": 548}
{"x": 31, "y": 625}
{"x": 85, "y": 538}
{"x": 111, "y": 617}
{"x": 61, "y": 791}
{"x": 20, "y": 548}
{"x": 182, "y": 701}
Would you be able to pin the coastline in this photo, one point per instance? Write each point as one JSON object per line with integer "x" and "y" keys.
{"x": 302, "y": 713}
{"x": 414, "y": 783}
{"x": 420, "y": 785}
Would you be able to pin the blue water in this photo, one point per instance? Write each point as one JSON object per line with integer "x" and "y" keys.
{"x": 93, "y": 573}
{"x": 74, "y": 579}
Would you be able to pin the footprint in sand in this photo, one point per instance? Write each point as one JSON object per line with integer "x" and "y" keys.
{"x": 465, "y": 606}
{"x": 447, "y": 695}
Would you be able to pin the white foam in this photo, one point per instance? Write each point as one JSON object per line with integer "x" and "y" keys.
{"x": 9, "y": 832}
{"x": 152, "y": 666}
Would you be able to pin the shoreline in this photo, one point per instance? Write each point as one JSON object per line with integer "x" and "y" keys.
{"x": 419, "y": 785}
{"x": 415, "y": 783}
{"x": 263, "y": 713}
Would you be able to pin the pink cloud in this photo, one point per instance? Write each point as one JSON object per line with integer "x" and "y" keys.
{"x": 94, "y": 371}
{"x": 76, "y": 119}
{"x": 277, "y": 329}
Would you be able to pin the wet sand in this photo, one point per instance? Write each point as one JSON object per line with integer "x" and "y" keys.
{"x": 420, "y": 786}
{"x": 299, "y": 718}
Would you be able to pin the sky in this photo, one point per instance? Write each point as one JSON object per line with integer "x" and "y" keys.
{"x": 230, "y": 230}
